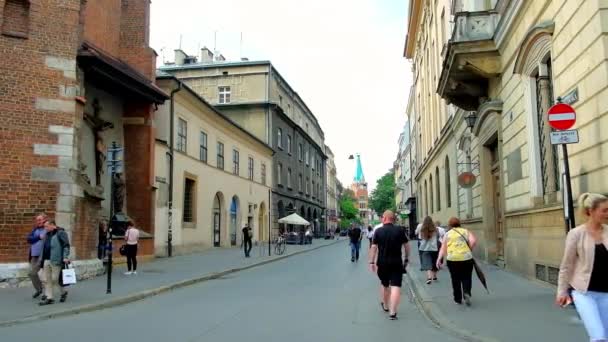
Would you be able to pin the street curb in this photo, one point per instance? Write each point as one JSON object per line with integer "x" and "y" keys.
{"x": 433, "y": 313}
{"x": 151, "y": 292}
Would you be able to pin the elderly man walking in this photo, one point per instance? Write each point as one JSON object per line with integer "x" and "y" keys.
{"x": 35, "y": 239}
{"x": 388, "y": 258}
{"x": 55, "y": 254}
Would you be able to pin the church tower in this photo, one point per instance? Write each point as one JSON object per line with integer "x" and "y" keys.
{"x": 359, "y": 187}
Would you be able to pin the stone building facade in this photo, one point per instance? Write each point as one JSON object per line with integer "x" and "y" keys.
{"x": 255, "y": 96}
{"x": 222, "y": 175}
{"x": 332, "y": 191}
{"x": 75, "y": 76}
{"x": 434, "y": 155}
{"x": 504, "y": 65}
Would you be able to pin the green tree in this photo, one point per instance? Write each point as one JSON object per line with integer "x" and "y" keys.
{"x": 348, "y": 209}
{"x": 383, "y": 196}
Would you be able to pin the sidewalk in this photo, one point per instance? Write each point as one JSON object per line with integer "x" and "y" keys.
{"x": 154, "y": 277}
{"x": 515, "y": 310}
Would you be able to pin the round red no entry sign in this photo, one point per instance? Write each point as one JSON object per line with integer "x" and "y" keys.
{"x": 561, "y": 116}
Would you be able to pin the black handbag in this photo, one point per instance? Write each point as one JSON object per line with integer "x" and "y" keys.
{"x": 123, "y": 250}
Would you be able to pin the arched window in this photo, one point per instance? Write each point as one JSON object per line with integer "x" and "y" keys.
{"x": 534, "y": 64}
{"x": 426, "y": 199}
{"x": 438, "y": 188}
{"x": 280, "y": 138}
{"x": 448, "y": 185}
{"x": 431, "y": 192}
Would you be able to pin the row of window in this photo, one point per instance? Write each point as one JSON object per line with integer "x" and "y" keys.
{"x": 435, "y": 203}
{"x": 181, "y": 145}
{"x": 303, "y": 153}
{"x": 316, "y": 187}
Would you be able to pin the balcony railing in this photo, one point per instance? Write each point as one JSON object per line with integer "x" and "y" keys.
{"x": 474, "y": 26}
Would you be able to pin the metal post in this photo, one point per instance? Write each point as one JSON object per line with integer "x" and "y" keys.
{"x": 570, "y": 222}
{"x": 112, "y": 163}
{"x": 269, "y": 222}
{"x": 171, "y": 166}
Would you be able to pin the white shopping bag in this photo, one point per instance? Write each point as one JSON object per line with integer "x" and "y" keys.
{"x": 68, "y": 276}
{"x": 42, "y": 275}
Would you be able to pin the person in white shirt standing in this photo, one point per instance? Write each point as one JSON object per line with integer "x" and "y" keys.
{"x": 131, "y": 240}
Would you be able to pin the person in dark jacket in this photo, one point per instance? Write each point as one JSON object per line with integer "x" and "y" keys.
{"x": 55, "y": 254}
{"x": 35, "y": 239}
{"x": 247, "y": 240}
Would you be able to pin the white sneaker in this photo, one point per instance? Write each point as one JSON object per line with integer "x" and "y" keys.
{"x": 134, "y": 272}
{"x": 128, "y": 273}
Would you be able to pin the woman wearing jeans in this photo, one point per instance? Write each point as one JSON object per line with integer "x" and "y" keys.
{"x": 131, "y": 239}
{"x": 457, "y": 246}
{"x": 584, "y": 265}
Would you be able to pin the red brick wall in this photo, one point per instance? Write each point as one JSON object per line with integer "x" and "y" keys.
{"x": 139, "y": 166}
{"x": 135, "y": 37}
{"x": 102, "y": 23}
{"x": 57, "y": 28}
{"x": 53, "y": 30}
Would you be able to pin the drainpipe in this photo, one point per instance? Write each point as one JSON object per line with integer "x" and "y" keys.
{"x": 170, "y": 153}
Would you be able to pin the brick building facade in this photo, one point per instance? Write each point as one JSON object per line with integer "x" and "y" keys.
{"x": 76, "y": 76}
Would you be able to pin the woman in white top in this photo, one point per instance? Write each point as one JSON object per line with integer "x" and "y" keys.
{"x": 429, "y": 248}
{"x": 131, "y": 239}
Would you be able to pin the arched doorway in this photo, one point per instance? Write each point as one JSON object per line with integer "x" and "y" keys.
{"x": 302, "y": 212}
{"x": 290, "y": 210}
{"x": 281, "y": 212}
{"x": 262, "y": 219}
{"x": 315, "y": 222}
{"x": 217, "y": 219}
{"x": 234, "y": 217}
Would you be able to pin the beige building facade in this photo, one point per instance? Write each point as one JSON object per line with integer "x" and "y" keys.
{"x": 433, "y": 153}
{"x": 506, "y": 62}
{"x": 222, "y": 175}
{"x": 332, "y": 191}
{"x": 255, "y": 96}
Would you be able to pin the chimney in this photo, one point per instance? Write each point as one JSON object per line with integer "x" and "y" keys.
{"x": 244, "y": 59}
{"x": 206, "y": 55}
{"x": 180, "y": 57}
{"x": 220, "y": 58}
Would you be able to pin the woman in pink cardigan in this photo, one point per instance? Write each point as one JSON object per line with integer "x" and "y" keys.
{"x": 584, "y": 267}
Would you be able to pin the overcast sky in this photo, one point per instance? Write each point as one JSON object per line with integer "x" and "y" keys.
{"x": 344, "y": 58}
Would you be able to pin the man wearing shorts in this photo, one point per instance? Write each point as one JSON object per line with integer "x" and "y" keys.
{"x": 388, "y": 259}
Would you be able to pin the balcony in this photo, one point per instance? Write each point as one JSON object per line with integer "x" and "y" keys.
{"x": 471, "y": 59}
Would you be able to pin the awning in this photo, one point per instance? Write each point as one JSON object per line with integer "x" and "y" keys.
{"x": 294, "y": 219}
{"x": 113, "y": 74}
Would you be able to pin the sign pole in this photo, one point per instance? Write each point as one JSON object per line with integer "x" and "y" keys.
{"x": 565, "y": 121}
{"x": 570, "y": 222}
{"x": 112, "y": 166}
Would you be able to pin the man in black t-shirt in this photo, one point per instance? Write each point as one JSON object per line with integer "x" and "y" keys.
{"x": 355, "y": 235}
{"x": 388, "y": 259}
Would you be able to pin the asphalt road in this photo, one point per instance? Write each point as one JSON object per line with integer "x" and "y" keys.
{"x": 316, "y": 296}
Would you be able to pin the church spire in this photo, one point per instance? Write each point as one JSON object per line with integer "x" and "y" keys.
{"x": 359, "y": 178}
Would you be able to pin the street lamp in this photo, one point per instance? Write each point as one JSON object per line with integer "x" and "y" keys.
{"x": 470, "y": 119}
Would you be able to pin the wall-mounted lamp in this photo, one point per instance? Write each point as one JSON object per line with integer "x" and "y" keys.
{"x": 470, "y": 119}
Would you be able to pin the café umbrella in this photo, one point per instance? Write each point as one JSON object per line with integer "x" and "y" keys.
{"x": 294, "y": 219}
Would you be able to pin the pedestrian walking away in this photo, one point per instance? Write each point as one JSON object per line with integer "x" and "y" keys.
{"x": 370, "y": 235}
{"x": 131, "y": 241}
{"x": 102, "y": 240}
{"x": 55, "y": 254}
{"x": 36, "y": 241}
{"x": 583, "y": 267}
{"x": 429, "y": 249}
{"x": 458, "y": 250}
{"x": 247, "y": 240}
{"x": 388, "y": 259}
{"x": 355, "y": 234}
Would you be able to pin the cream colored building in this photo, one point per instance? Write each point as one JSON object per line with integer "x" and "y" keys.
{"x": 505, "y": 63}
{"x": 222, "y": 175}
{"x": 255, "y": 95}
{"x": 332, "y": 191}
{"x": 434, "y": 154}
